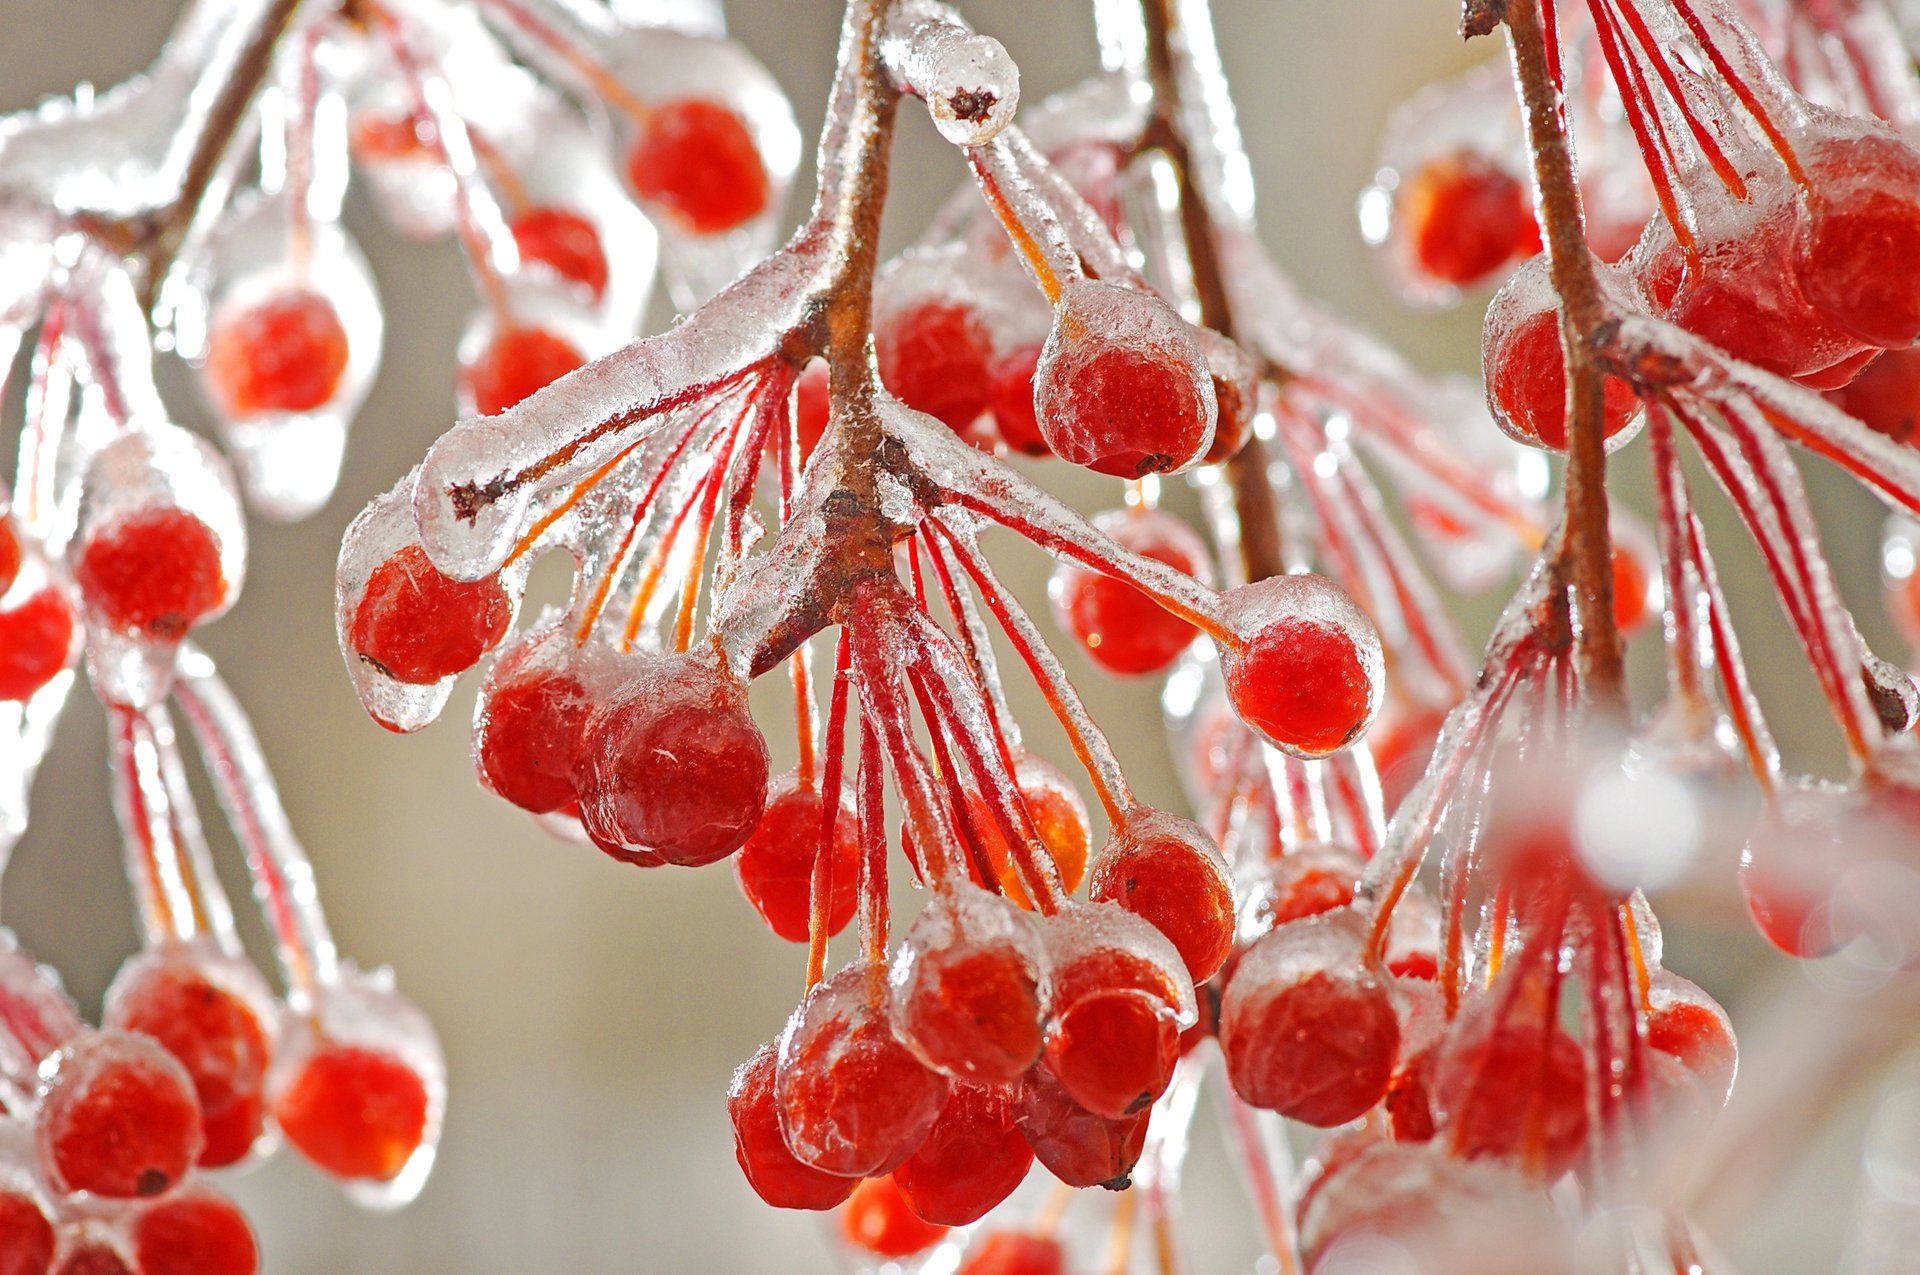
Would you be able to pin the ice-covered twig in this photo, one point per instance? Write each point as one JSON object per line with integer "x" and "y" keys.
{"x": 970, "y": 85}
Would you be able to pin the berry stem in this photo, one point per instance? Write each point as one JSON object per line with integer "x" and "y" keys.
{"x": 1741, "y": 88}
{"x": 1584, "y": 561}
{"x": 873, "y": 846}
{"x": 571, "y": 47}
{"x": 836, "y": 741}
{"x": 1265, "y": 1164}
{"x": 154, "y": 866}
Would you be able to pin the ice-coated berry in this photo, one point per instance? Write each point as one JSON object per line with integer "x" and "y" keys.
{"x": 1306, "y": 670}
{"x": 969, "y": 987}
{"x": 117, "y": 1117}
{"x": 933, "y": 356}
{"x": 153, "y": 573}
{"x": 1167, "y": 871}
{"x": 194, "y": 1232}
{"x": 972, "y": 1158}
{"x": 1523, "y": 361}
{"x": 531, "y": 716}
{"x": 517, "y": 362}
{"x": 26, "y": 1236}
{"x": 285, "y": 353}
{"x": 761, "y": 1148}
{"x": 1077, "y": 1146}
{"x": 695, "y": 161}
{"x": 36, "y": 642}
{"x": 673, "y": 763}
{"x": 1014, "y": 1253}
{"x": 1121, "y": 997}
{"x": 1121, "y": 628}
{"x": 417, "y": 626}
{"x": 775, "y": 866}
{"x": 1857, "y": 246}
{"x": 1010, "y": 396}
{"x": 1463, "y": 217}
{"x": 565, "y": 243}
{"x": 354, "y": 1111}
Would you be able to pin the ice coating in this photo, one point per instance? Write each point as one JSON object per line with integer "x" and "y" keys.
{"x": 970, "y": 987}
{"x": 39, "y": 1019}
{"x": 970, "y": 85}
{"x": 1094, "y": 945}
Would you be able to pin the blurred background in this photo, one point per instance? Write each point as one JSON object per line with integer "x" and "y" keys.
{"x": 592, "y": 1013}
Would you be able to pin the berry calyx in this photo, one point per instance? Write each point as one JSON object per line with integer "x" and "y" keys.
{"x": 775, "y": 866}
{"x": 1121, "y": 386}
{"x": 877, "y": 1218}
{"x": 972, "y": 1159}
{"x": 565, "y": 243}
{"x": 673, "y": 763}
{"x": 194, "y": 1232}
{"x": 417, "y": 626}
{"x": 285, "y": 353}
{"x": 1168, "y": 872}
{"x": 696, "y": 161}
{"x": 1465, "y": 217}
{"x": 354, "y": 1111}
{"x": 117, "y": 1117}
{"x": 516, "y": 363}
{"x": 152, "y": 574}
{"x": 1121, "y": 628}
{"x": 26, "y": 1236}
{"x": 933, "y": 356}
{"x": 1306, "y": 671}
{"x": 36, "y": 642}
{"x": 772, "y": 1170}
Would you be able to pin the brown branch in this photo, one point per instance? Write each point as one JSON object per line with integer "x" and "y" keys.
{"x": 1259, "y": 513}
{"x": 1584, "y": 562}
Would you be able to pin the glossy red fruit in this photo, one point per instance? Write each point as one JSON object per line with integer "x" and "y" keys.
{"x": 1076, "y": 1146}
{"x": 530, "y": 718}
{"x": 93, "y": 1258}
{"x": 285, "y": 353}
{"x": 215, "y": 1034}
{"x": 969, "y": 988}
{"x": 1014, "y": 1253}
{"x": 1524, "y": 364}
{"x": 516, "y": 363}
{"x": 811, "y": 406}
{"x": 1512, "y": 1088}
{"x": 775, "y": 867}
{"x": 417, "y": 626}
{"x": 1687, "y": 1024}
{"x": 1635, "y": 600}
{"x": 117, "y": 1117}
{"x": 933, "y": 356}
{"x": 672, "y": 762}
{"x": 1120, "y": 999}
{"x": 36, "y": 641}
{"x": 194, "y": 1232}
{"x": 1886, "y": 396}
{"x": 761, "y": 1148}
{"x": 972, "y": 1158}
{"x": 1305, "y": 881}
{"x": 877, "y": 1219}
{"x": 1856, "y": 247}
{"x": 10, "y": 556}
{"x": 1464, "y": 217}
{"x": 696, "y": 161}
{"x": 1307, "y": 1025}
{"x": 1121, "y": 385}
{"x": 564, "y": 242}
{"x": 1010, "y": 396}
{"x": 1167, "y": 871}
{"x": 26, "y": 1236}
{"x": 1121, "y": 628}
{"x": 152, "y": 574}
{"x": 1306, "y": 670}
{"x": 355, "y": 1112}
{"x": 853, "y": 1100}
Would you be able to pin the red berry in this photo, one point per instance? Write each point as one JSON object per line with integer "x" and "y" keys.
{"x": 93, "y": 1258}
{"x": 515, "y": 364}
{"x": 1465, "y": 217}
{"x": 355, "y": 1112}
{"x": 418, "y": 626}
{"x": 1121, "y": 386}
{"x": 117, "y": 1117}
{"x": 195, "y": 1232}
{"x": 26, "y": 1236}
{"x": 153, "y": 574}
{"x": 1014, "y": 1253}
{"x": 933, "y": 357}
{"x": 1687, "y": 1024}
{"x": 1121, "y": 628}
{"x": 1307, "y": 1025}
{"x": 877, "y": 1218}
{"x": 378, "y": 137}
{"x": 214, "y": 1033}
{"x": 811, "y": 406}
{"x": 972, "y": 1158}
{"x": 1633, "y": 592}
{"x": 530, "y": 718}
{"x": 1307, "y": 670}
{"x": 1076, "y": 1146}
{"x": 1886, "y": 396}
{"x": 283, "y": 354}
{"x": 1857, "y": 247}
{"x": 36, "y": 641}
{"x": 969, "y": 987}
{"x": 1118, "y": 991}
{"x": 9, "y": 551}
{"x": 853, "y": 1100}
{"x": 1524, "y": 363}
{"x": 761, "y": 1148}
{"x": 1305, "y": 881}
{"x": 1010, "y": 396}
{"x": 673, "y": 763}
{"x": 696, "y": 161}
{"x": 564, "y": 242}
{"x": 775, "y": 866}
{"x": 1512, "y": 1088}
{"x": 1165, "y": 870}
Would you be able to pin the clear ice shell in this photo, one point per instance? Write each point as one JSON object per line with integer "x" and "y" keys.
{"x": 970, "y": 85}
{"x": 960, "y": 924}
